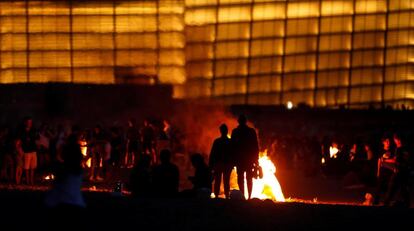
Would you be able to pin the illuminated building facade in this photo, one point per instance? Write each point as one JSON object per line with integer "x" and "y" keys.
{"x": 323, "y": 53}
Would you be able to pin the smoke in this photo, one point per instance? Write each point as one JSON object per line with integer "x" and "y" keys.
{"x": 199, "y": 125}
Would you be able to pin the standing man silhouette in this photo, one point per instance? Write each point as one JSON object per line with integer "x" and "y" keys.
{"x": 220, "y": 161}
{"x": 246, "y": 153}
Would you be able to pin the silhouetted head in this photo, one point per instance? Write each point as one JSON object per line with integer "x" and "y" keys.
{"x": 75, "y": 129}
{"x": 97, "y": 129}
{"x": 197, "y": 159}
{"x": 165, "y": 156}
{"x": 224, "y": 130}
{"x": 236, "y": 195}
{"x": 114, "y": 131}
{"x": 28, "y": 123}
{"x": 242, "y": 120}
{"x": 145, "y": 161}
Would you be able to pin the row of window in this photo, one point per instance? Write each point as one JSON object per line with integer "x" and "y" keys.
{"x": 274, "y": 29}
{"x": 103, "y": 7}
{"x": 91, "y": 23}
{"x": 202, "y": 16}
{"x": 195, "y": 51}
{"x": 328, "y": 6}
{"x": 96, "y": 75}
{"x": 235, "y": 89}
{"x": 292, "y": 63}
{"x": 145, "y": 23}
{"x": 80, "y": 41}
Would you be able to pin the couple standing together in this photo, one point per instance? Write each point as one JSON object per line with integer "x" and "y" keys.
{"x": 241, "y": 151}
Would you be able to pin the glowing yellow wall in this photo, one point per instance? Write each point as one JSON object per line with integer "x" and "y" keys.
{"x": 318, "y": 52}
{"x": 92, "y": 41}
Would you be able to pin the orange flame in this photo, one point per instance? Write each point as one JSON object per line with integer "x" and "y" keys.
{"x": 268, "y": 186}
{"x": 84, "y": 147}
{"x": 333, "y": 151}
{"x": 49, "y": 177}
{"x": 89, "y": 162}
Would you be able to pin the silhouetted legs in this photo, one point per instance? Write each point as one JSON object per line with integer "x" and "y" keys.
{"x": 249, "y": 178}
{"x": 398, "y": 183}
{"x": 384, "y": 176}
{"x": 225, "y": 172}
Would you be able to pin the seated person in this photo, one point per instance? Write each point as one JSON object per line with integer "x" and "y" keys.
{"x": 165, "y": 176}
{"x": 201, "y": 180}
{"x": 140, "y": 181}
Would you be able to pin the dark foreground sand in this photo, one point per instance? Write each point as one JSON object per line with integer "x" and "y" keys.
{"x": 23, "y": 210}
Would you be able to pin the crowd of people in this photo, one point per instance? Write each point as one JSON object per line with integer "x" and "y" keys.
{"x": 32, "y": 154}
{"x": 240, "y": 151}
{"x": 384, "y": 164}
{"x": 148, "y": 151}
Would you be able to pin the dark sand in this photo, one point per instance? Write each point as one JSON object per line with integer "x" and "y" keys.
{"x": 23, "y": 210}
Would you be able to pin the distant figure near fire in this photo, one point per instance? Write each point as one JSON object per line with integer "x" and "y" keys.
{"x": 220, "y": 163}
{"x": 399, "y": 181}
{"x": 28, "y": 137}
{"x": 245, "y": 153}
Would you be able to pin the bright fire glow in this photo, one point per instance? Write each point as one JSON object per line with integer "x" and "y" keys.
{"x": 49, "y": 177}
{"x": 84, "y": 147}
{"x": 268, "y": 186}
{"x": 289, "y": 105}
{"x": 333, "y": 151}
{"x": 88, "y": 162}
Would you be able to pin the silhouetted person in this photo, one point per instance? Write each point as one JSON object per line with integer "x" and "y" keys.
{"x": 28, "y": 137}
{"x": 165, "y": 176}
{"x": 116, "y": 146}
{"x": 148, "y": 140}
{"x": 399, "y": 181}
{"x": 140, "y": 181}
{"x": 220, "y": 161}
{"x": 66, "y": 190}
{"x": 385, "y": 169}
{"x": 98, "y": 143}
{"x": 245, "y": 153}
{"x": 202, "y": 176}
{"x": 314, "y": 156}
{"x": 133, "y": 146}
